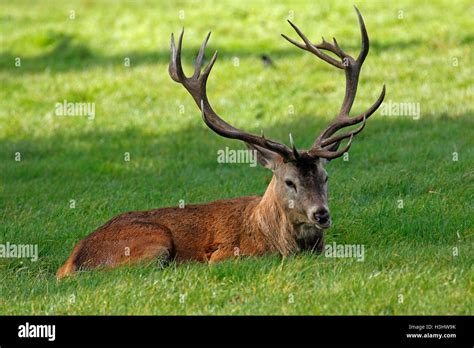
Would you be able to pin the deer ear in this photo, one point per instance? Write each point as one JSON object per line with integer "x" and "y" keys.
{"x": 266, "y": 158}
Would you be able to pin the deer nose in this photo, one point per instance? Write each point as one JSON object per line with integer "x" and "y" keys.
{"x": 321, "y": 216}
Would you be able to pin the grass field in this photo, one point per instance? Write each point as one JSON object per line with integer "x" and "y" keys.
{"x": 418, "y": 258}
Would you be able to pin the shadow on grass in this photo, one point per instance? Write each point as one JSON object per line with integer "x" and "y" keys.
{"x": 194, "y": 148}
{"x": 64, "y": 53}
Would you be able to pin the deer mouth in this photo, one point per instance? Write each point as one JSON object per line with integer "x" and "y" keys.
{"x": 323, "y": 226}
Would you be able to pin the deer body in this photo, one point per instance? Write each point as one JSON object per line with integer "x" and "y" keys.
{"x": 292, "y": 214}
{"x": 244, "y": 226}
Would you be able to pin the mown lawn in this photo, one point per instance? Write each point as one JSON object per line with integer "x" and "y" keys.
{"x": 418, "y": 258}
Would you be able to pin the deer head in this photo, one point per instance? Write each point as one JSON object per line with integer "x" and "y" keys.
{"x": 300, "y": 180}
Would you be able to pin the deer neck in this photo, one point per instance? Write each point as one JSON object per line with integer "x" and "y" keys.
{"x": 271, "y": 221}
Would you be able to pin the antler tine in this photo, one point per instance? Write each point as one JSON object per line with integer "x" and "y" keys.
{"x": 335, "y": 154}
{"x": 339, "y": 137}
{"x": 175, "y": 69}
{"x": 352, "y": 69}
{"x": 374, "y": 106}
{"x": 308, "y": 46}
{"x": 293, "y": 146}
{"x": 200, "y": 57}
{"x": 207, "y": 69}
{"x": 364, "y": 51}
{"x": 196, "y": 86}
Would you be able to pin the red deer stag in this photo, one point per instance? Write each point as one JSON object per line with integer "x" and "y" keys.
{"x": 292, "y": 214}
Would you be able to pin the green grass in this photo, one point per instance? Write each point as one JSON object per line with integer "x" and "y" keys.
{"x": 408, "y": 251}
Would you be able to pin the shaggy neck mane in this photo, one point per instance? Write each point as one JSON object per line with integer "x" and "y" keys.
{"x": 271, "y": 221}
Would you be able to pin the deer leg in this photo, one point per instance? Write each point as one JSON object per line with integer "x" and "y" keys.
{"x": 222, "y": 254}
{"x": 120, "y": 243}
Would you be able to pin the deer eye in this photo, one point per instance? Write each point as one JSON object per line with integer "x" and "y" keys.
{"x": 291, "y": 184}
{"x": 326, "y": 180}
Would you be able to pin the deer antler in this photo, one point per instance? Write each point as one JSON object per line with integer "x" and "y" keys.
{"x": 352, "y": 69}
{"x": 196, "y": 86}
